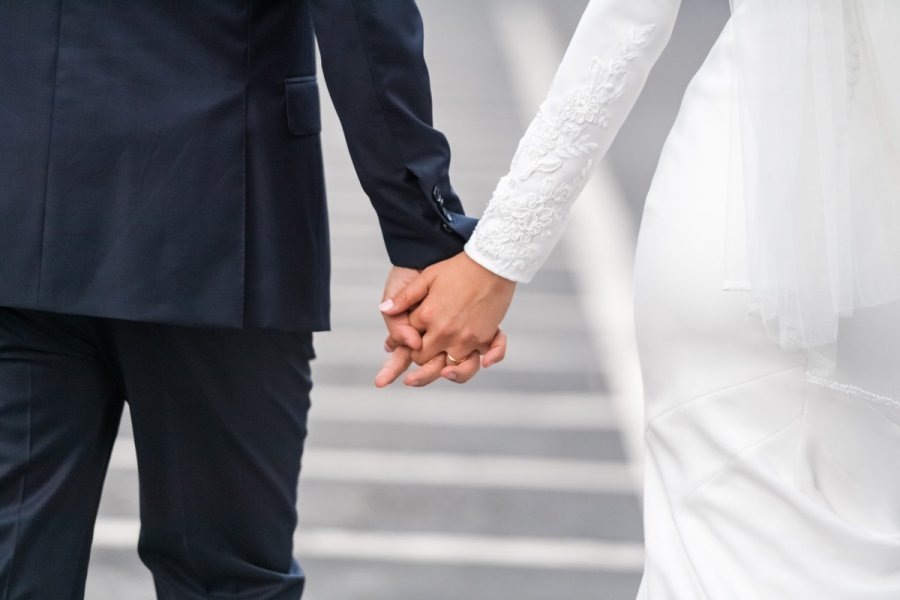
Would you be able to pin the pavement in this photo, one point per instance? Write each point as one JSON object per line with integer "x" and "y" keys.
{"x": 521, "y": 485}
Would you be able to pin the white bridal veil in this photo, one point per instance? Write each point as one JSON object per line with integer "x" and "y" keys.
{"x": 814, "y": 212}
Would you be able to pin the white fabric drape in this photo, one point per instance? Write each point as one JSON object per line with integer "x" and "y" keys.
{"x": 814, "y": 213}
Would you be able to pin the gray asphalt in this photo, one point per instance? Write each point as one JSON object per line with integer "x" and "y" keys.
{"x": 553, "y": 369}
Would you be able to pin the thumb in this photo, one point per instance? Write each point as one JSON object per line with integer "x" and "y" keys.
{"x": 414, "y": 292}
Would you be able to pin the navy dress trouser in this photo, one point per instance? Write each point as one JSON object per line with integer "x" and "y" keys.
{"x": 219, "y": 421}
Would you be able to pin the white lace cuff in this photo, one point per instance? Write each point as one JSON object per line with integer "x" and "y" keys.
{"x": 586, "y": 106}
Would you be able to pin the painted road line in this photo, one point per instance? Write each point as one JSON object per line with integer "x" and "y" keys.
{"x": 552, "y": 412}
{"x": 445, "y": 470}
{"x": 430, "y": 548}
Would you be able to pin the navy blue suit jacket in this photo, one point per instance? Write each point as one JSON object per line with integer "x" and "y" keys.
{"x": 160, "y": 161}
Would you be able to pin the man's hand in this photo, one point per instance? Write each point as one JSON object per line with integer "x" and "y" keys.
{"x": 458, "y": 305}
{"x": 402, "y": 338}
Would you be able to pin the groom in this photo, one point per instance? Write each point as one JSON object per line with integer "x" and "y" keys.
{"x": 163, "y": 241}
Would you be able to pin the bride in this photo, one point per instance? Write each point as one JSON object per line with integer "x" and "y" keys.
{"x": 766, "y": 287}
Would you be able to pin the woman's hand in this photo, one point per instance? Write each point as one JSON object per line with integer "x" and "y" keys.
{"x": 457, "y": 305}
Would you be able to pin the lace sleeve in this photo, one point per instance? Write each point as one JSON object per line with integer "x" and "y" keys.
{"x": 605, "y": 67}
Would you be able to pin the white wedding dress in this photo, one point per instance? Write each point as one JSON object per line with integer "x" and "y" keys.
{"x": 761, "y": 483}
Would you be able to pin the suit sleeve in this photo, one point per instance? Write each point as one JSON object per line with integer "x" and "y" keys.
{"x": 372, "y": 57}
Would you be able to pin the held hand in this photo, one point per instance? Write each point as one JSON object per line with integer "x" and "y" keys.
{"x": 439, "y": 366}
{"x": 460, "y": 307}
{"x": 402, "y": 338}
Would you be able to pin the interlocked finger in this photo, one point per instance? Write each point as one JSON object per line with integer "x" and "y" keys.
{"x": 428, "y": 373}
{"x": 395, "y": 365}
{"x": 465, "y": 370}
{"x": 454, "y": 362}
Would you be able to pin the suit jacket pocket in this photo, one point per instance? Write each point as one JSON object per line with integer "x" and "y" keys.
{"x": 302, "y": 103}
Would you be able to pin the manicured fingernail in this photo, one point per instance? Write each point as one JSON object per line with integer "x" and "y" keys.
{"x": 452, "y": 376}
{"x": 387, "y": 349}
{"x": 386, "y": 305}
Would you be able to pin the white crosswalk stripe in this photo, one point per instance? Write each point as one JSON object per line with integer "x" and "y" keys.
{"x": 357, "y": 404}
{"x": 444, "y": 469}
{"x": 431, "y": 548}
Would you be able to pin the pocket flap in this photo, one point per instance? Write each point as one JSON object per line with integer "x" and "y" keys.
{"x": 302, "y": 102}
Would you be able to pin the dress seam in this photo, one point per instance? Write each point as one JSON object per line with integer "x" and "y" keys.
{"x": 651, "y": 422}
{"x": 684, "y": 549}
{"x": 857, "y": 528}
{"x": 743, "y": 451}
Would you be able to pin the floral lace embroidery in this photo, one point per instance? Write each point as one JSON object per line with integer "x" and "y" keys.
{"x": 514, "y": 220}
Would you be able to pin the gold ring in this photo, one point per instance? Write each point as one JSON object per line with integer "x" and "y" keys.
{"x": 454, "y": 361}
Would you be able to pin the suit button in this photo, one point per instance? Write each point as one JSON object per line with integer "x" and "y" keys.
{"x": 439, "y": 200}
{"x": 446, "y": 228}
